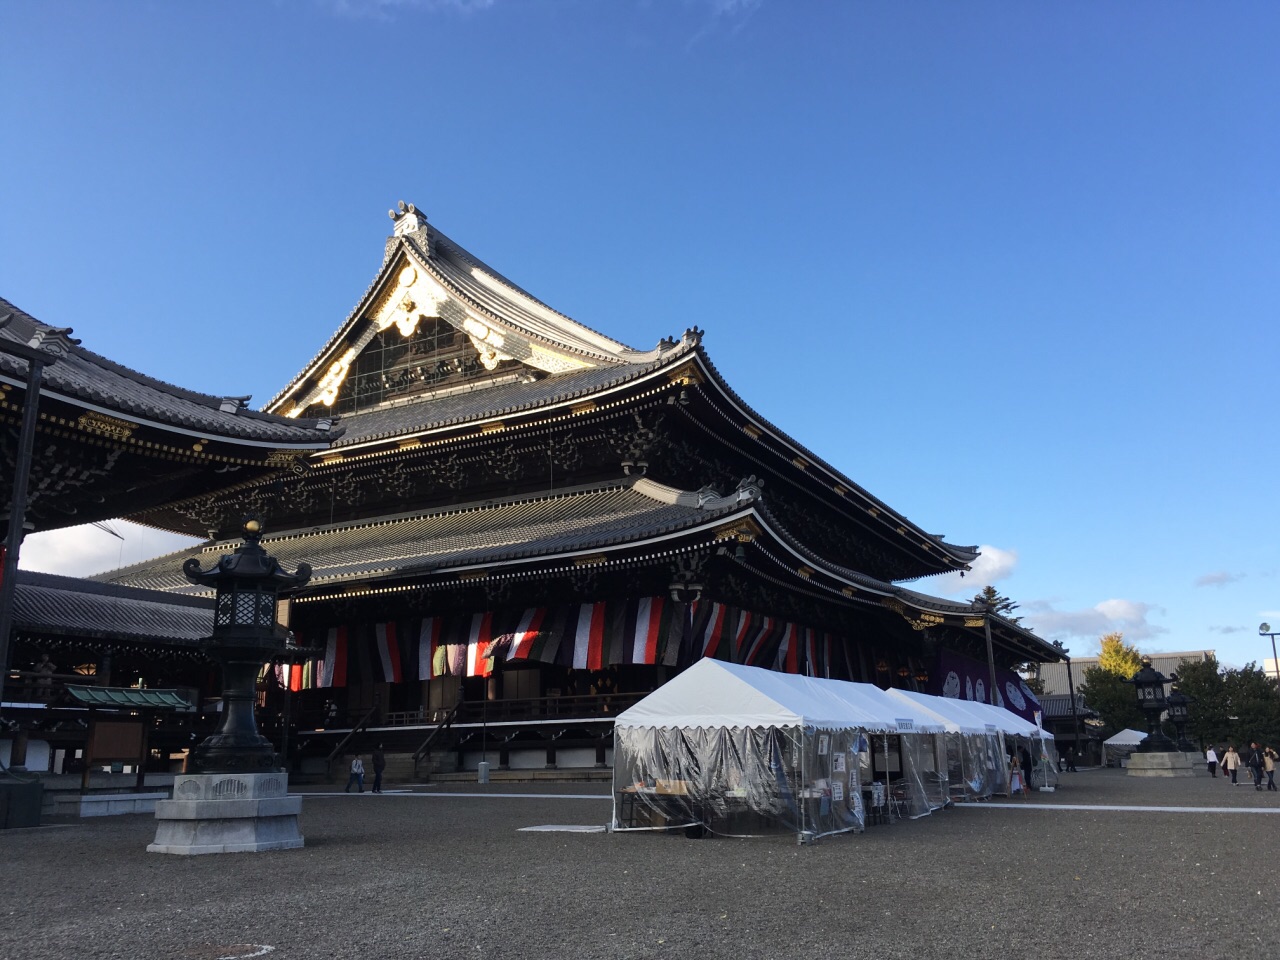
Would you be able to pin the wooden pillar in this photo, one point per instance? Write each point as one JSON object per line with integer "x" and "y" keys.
{"x": 141, "y": 779}
{"x": 992, "y": 694}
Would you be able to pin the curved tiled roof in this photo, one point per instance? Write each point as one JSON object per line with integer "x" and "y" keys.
{"x": 489, "y": 402}
{"x": 83, "y": 377}
{"x": 964, "y": 554}
{"x": 44, "y": 603}
{"x": 483, "y": 286}
{"x": 478, "y": 286}
{"x": 588, "y": 518}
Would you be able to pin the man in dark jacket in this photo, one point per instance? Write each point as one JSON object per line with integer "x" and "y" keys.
{"x": 1253, "y": 760}
{"x": 379, "y": 764}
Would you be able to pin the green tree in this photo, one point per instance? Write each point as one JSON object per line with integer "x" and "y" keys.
{"x": 1230, "y": 706}
{"x": 1118, "y": 657}
{"x": 1113, "y": 698}
{"x": 1254, "y": 705}
{"x": 996, "y": 602}
{"x": 1208, "y": 713}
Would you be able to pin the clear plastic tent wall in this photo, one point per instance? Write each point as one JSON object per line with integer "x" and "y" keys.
{"x": 921, "y": 785}
{"x": 743, "y": 751}
{"x": 971, "y": 747}
{"x": 737, "y": 781}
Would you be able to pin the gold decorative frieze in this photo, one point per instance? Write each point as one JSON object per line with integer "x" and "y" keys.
{"x": 874, "y": 511}
{"x": 918, "y": 620}
{"x": 849, "y": 591}
{"x": 839, "y": 490}
{"x": 100, "y": 423}
{"x": 975, "y": 622}
{"x": 806, "y": 572}
{"x": 591, "y": 560}
{"x": 586, "y": 406}
{"x": 496, "y": 427}
{"x": 687, "y": 375}
{"x": 800, "y": 462}
{"x": 752, "y": 431}
{"x": 473, "y": 575}
{"x": 744, "y": 531}
{"x": 410, "y": 443}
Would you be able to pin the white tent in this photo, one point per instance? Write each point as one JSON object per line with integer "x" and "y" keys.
{"x": 743, "y": 749}
{"x": 712, "y": 693}
{"x": 1115, "y": 750}
{"x": 1126, "y": 738}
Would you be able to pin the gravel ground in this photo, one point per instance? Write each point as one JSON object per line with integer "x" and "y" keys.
{"x": 446, "y": 875}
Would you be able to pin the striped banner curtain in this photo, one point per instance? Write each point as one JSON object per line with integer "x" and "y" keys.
{"x": 583, "y": 636}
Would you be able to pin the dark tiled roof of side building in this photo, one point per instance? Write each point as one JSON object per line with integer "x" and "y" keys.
{"x": 85, "y": 376}
{"x": 45, "y": 603}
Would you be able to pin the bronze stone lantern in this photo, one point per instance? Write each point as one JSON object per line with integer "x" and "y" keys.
{"x": 1179, "y": 714}
{"x": 1148, "y": 686}
{"x": 245, "y": 636}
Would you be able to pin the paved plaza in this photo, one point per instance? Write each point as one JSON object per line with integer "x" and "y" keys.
{"x": 1108, "y": 866}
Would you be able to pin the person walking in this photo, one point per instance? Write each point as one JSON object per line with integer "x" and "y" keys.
{"x": 1071, "y": 760}
{"x": 1253, "y": 759}
{"x": 1269, "y": 758}
{"x": 1231, "y": 762}
{"x": 1211, "y": 758}
{"x": 379, "y": 764}
{"x": 357, "y": 774}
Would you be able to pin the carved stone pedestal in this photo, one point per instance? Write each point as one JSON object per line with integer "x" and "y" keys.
{"x": 1160, "y": 765}
{"x": 228, "y": 813}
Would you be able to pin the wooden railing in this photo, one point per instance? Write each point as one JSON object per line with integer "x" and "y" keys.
{"x": 440, "y": 727}
{"x": 361, "y": 724}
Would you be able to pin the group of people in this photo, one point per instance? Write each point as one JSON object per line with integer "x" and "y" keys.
{"x": 357, "y": 771}
{"x": 1257, "y": 758}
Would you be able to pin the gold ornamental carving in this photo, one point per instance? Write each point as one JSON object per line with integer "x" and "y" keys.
{"x": 100, "y": 423}
{"x": 743, "y": 531}
{"x": 975, "y": 622}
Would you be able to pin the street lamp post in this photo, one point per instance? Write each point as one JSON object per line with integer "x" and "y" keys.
{"x": 1264, "y": 629}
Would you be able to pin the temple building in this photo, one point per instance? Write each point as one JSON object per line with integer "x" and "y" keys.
{"x": 518, "y": 526}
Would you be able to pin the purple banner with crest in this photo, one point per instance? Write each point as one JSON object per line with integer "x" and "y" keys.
{"x": 962, "y": 678}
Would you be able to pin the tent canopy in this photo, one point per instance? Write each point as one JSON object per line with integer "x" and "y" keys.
{"x": 712, "y": 693}
{"x": 947, "y": 710}
{"x": 1126, "y": 738}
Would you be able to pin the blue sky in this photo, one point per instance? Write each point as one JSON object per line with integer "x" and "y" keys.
{"x": 1012, "y": 267}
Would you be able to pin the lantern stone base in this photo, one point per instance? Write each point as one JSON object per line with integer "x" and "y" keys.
{"x": 1160, "y": 765}
{"x": 228, "y": 813}
{"x": 1198, "y": 766}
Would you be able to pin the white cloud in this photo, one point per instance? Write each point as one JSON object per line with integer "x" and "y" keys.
{"x": 1127, "y": 616}
{"x": 81, "y": 551}
{"x": 1218, "y": 579}
{"x": 992, "y": 566}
